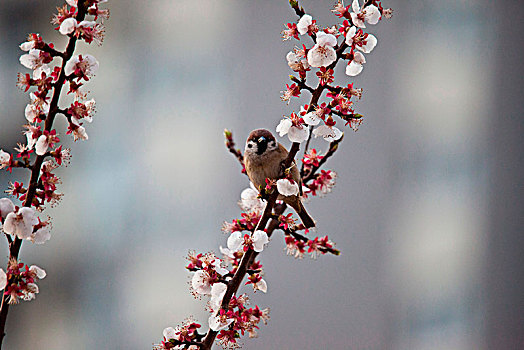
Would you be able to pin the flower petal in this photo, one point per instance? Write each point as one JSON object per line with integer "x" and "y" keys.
{"x": 68, "y": 26}
{"x": 354, "y": 69}
{"x": 6, "y": 207}
{"x": 298, "y": 134}
{"x": 371, "y": 42}
{"x": 261, "y": 286}
{"x": 283, "y": 126}
{"x": 325, "y": 39}
{"x": 169, "y": 333}
{"x": 259, "y": 240}
{"x": 355, "y": 6}
{"x": 303, "y": 24}
{"x": 287, "y": 188}
{"x": 372, "y": 14}
{"x": 234, "y": 241}
{"x": 311, "y": 118}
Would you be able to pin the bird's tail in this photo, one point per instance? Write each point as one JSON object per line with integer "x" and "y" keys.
{"x": 303, "y": 214}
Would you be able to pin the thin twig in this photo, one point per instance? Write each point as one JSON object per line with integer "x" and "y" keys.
{"x": 333, "y": 147}
{"x": 230, "y": 144}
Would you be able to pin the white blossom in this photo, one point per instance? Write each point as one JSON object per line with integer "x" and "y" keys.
{"x": 298, "y": 134}
{"x": 79, "y": 133}
{"x": 6, "y": 207}
{"x": 259, "y": 239}
{"x": 303, "y": 24}
{"x": 323, "y": 53}
{"x": 21, "y": 223}
{"x": 261, "y": 286}
{"x": 4, "y": 159}
{"x": 295, "y": 63}
{"x": 284, "y": 126}
{"x": 35, "y": 108}
{"x": 90, "y": 108}
{"x": 38, "y": 271}
{"x": 41, "y": 145}
{"x": 369, "y": 14}
{"x": 235, "y": 241}
{"x": 250, "y": 202}
{"x": 31, "y": 112}
{"x": 169, "y": 333}
{"x": 329, "y": 133}
{"x": 42, "y": 235}
{"x": 294, "y": 133}
{"x": 371, "y": 42}
{"x": 228, "y": 254}
{"x": 28, "y": 45}
{"x": 287, "y": 188}
{"x": 85, "y": 64}
{"x": 310, "y": 118}
{"x": 30, "y": 292}
{"x": 32, "y": 60}
{"x": 68, "y": 26}
{"x": 356, "y": 65}
{"x": 350, "y": 35}
{"x": 217, "y": 266}
{"x": 39, "y": 71}
{"x": 218, "y": 323}
{"x": 200, "y": 282}
{"x": 327, "y": 185}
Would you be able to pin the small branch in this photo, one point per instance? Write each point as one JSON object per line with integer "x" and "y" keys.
{"x": 19, "y": 164}
{"x": 230, "y": 144}
{"x": 302, "y": 84}
{"x": 302, "y": 238}
{"x": 333, "y": 146}
{"x": 298, "y": 9}
{"x": 333, "y": 89}
{"x": 52, "y": 51}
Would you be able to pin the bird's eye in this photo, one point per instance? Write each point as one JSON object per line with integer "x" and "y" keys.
{"x": 249, "y": 145}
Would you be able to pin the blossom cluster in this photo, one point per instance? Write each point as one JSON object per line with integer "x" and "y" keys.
{"x": 19, "y": 281}
{"x": 210, "y": 279}
{"x": 50, "y": 71}
{"x": 174, "y": 338}
{"x": 346, "y": 41}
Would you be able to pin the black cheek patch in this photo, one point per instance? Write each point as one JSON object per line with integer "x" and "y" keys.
{"x": 262, "y": 146}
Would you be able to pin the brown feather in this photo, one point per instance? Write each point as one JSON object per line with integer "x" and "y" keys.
{"x": 268, "y": 165}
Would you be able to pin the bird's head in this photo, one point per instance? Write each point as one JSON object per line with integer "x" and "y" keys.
{"x": 260, "y": 141}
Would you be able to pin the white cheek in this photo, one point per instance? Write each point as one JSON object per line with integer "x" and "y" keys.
{"x": 251, "y": 149}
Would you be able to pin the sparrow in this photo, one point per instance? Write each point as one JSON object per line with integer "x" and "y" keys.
{"x": 263, "y": 158}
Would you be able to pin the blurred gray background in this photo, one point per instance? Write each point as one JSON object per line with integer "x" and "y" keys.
{"x": 427, "y": 210}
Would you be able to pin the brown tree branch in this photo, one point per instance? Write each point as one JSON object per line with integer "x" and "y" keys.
{"x": 14, "y": 246}
{"x": 250, "y": 255}
{"x": 267, "y": 218}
